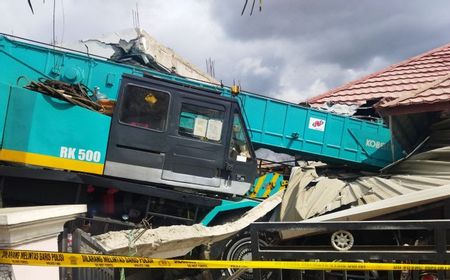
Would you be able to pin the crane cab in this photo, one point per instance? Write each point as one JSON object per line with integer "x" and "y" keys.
{"x": 166, "y": 133}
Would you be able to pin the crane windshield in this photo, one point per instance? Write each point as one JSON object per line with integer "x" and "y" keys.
{"x": 239, "y": 146}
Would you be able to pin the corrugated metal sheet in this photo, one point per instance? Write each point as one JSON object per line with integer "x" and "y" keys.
{"x": 396, "y": 81}
{"x": 309, "y": 195}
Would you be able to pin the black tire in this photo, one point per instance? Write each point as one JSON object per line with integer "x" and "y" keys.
{"x": 230, "y": 248}
{"x": 236, "y": 248}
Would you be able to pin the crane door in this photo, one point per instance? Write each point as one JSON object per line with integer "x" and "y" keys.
{"x": 139, "y": 130}
{"x": 197, "y": 141}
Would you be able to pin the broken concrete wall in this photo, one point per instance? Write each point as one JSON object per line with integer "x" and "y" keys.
{"x": 139, "y": 42}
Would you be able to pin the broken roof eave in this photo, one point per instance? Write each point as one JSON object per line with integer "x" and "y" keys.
{"x": 439, "y": 56}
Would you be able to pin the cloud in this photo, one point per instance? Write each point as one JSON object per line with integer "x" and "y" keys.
{"x": 251, "y": 65}
{"x": 329, "y": 43}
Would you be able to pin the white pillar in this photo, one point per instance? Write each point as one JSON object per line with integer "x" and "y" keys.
{"x": 33, "y": 228}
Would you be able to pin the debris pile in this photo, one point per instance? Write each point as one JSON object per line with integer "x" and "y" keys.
{"x": 174, "y": 241}
{"x": 76, "y": 94}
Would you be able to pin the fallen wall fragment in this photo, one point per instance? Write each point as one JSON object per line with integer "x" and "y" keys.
{"x": 174, "y": 241}
{"x": 136, "y": 46}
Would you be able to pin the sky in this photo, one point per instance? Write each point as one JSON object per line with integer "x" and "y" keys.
{"x": 291, "y": 50}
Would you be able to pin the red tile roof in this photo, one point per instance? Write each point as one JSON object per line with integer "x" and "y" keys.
{"x": 434, "y": 96}
{"x": 419, "y": 80}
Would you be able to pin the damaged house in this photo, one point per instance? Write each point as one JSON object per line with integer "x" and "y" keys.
{"x": 413, "y": 98}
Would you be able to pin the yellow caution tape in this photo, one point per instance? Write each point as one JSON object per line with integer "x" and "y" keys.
{"x": 43, "y": 258}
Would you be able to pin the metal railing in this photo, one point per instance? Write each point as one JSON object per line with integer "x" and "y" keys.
{"x": 373, "y": 246}
{"x": 83, "y": 243}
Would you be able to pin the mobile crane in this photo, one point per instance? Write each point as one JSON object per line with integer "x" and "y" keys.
{"x": 166, "y": 130}
{"x": 188, "y": 137}
{"x": 174, "y": 148}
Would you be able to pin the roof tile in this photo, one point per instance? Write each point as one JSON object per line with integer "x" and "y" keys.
{"x": 421, "y": 79}
{"x": 427, "y": 94}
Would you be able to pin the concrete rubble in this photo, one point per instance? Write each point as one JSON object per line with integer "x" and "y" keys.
{"x": 136, "y": 46}
{"x": 174, "y": 241}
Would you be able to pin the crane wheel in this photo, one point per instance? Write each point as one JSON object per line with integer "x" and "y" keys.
{"x": 342, "y": 240}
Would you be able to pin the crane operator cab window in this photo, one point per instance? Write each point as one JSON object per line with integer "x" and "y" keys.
{"x": 201, "y": 123}
{"x": 239, "y": 146}
{"x": 145, "y": 108}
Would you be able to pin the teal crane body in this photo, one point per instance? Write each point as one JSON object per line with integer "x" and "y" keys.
{"x": 79, "y": 136}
